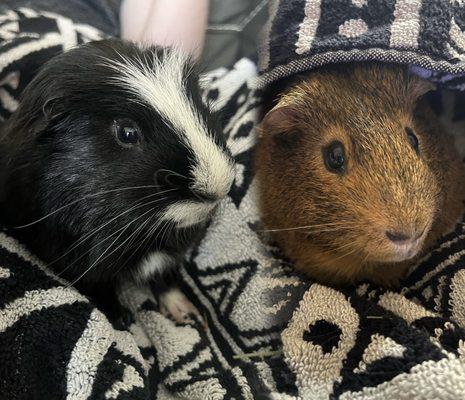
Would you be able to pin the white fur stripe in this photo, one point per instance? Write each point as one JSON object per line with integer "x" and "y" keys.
{"x": 163, "y": 89}
{"x": 153, "y": 263}
{"x": 36, "y": 300}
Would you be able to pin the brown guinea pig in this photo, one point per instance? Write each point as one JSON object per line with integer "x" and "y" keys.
{"x": 356, "y": 176}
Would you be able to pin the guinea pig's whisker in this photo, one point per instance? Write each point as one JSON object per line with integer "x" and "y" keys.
{"x": 132, "y": 238}
{"x": 343, "y": 247}
{"x": 338, "y": 224}
{"x": 124, "y": 227}
{"x": 151, "y": 237}
{"x": 344, "y": 255}
{"x": 316, "y": 231}
{"x": 135, "y": 250}
{"x": 127, "y": 243}
{"x": 165, "y": 230}
{"x": 163, "y": 224}
{"x": 102, "y": 256}
{"x": 89, "y": 250}
{"x": 98, "y": 259}
{"x": 85, "y": 198}
{"x": 99, "y": 228}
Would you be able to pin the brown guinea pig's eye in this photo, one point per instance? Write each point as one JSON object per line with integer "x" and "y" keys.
{"x": 412, "y": 139}
{"x": 127, "y": 133}
{"x": 335, "y": 157}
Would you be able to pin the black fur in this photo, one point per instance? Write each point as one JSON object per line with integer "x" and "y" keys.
{"x": 59, "y": 147}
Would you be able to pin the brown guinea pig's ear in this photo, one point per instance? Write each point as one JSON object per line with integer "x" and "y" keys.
{"x": 279, "y": 119}
{"x": 419, "y": 87}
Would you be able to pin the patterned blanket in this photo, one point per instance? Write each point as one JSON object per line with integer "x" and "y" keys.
{"x": 265, "y": 333}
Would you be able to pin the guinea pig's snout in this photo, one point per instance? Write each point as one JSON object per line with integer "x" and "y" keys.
{"x": 212, "y": 182}
{"x": 404, "y": 244}
{"x": 400, "y": 237}
{"x": 190, "y": 187}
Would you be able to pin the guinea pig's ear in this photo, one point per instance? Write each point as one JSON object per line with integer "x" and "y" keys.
{"x": 280, "y": 124}
{"x": 419, "y": 87}
{"x": 41, "y": 116}
{"x": 278, "y": 120}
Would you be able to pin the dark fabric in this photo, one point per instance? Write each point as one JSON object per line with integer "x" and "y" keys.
{"x": 304, "y": 34}
{"x": 31, "y": 32}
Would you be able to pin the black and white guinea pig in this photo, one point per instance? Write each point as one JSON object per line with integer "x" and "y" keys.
{"x": 112, "y": 164}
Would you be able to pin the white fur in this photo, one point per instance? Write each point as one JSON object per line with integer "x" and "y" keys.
{"x": 162, "y": 88}
{"x": 188, "y": 213}
{"x": 155, "y": 262}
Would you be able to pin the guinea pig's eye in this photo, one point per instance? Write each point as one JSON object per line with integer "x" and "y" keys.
{"x": 335, "y": 157}
{"x": 412, "y": 139}
{"x": 127, "y": 133}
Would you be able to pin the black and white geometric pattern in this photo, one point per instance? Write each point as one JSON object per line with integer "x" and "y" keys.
{"x": 28, "y": 38}
{"x": 305, "y": 34}
{"x": 267, "y": 333}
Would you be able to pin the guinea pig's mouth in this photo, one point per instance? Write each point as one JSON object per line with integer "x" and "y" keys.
{"x": 398, "y": 248}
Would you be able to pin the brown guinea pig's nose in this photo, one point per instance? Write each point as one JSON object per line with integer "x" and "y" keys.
{"x": 399, "y": 237}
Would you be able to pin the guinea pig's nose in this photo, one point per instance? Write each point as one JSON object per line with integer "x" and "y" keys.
{"x": 397, "y": 237}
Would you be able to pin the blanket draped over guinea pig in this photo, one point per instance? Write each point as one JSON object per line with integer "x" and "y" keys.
{"x": 267, "y": 332}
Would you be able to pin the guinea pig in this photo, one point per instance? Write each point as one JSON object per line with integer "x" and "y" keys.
{"x": 112, "y": 165}
{"x": 356, "y": 176}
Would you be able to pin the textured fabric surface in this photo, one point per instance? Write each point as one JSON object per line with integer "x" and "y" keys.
{"x": 31, "y": 36}
{"x": 266, "y": 332}
{"x": 304, "y": 34}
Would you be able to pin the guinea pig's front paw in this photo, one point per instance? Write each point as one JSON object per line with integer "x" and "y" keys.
{"x": 175, "y": 305}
